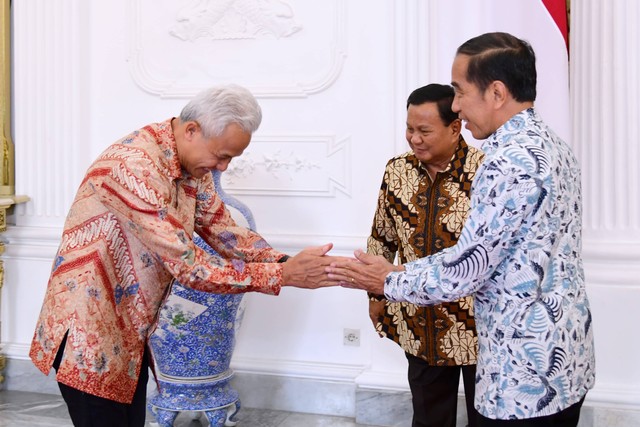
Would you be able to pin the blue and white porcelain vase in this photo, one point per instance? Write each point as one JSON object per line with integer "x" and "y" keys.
{"x": 191, "y": 345}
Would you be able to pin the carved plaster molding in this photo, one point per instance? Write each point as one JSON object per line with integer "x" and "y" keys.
{"x": 292, "y": 165}
{"x": 214, "y": 41}
{"x": 234, "y": 19}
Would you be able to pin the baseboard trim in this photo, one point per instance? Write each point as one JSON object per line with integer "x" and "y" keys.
{"x": 333, "y": 390}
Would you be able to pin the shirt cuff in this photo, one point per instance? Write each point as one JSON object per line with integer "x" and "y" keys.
{"x": 375, "y": 297}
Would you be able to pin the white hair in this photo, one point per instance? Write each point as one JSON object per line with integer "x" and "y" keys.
{"x": 217, "y": 107}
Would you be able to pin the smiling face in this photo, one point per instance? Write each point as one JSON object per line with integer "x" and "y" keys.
{"x": 431, "y": 140}
{"x": 472, "y": 105}
{"x": 199, "y": 155}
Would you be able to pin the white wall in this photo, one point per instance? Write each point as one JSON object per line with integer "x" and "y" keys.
{"x": 333, "y": 93}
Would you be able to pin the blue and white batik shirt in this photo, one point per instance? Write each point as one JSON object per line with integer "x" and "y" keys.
{"x": 519, "y": 254}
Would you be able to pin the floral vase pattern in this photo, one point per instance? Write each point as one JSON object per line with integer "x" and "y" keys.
{"x": 191, "y": 345}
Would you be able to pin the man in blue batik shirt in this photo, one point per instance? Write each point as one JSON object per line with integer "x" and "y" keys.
{"x": 519, "y": 253}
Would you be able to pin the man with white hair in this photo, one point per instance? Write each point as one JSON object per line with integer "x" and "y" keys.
{"x": 129, "y": 233}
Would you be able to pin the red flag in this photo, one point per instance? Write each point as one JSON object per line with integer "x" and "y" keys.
{"x": 558, "y": 11}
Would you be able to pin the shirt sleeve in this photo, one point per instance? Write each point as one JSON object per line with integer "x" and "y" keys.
{"x": 383, "y": 238}
{"x": 140, "y": 197}
{"x": 216, "y": 226}
{"x": 504, "y": 198}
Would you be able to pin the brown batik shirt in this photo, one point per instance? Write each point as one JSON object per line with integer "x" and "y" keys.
{"x": 416, "y": 217}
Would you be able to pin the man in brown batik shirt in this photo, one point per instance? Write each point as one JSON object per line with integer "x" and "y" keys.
{"x": 422, "y": 207}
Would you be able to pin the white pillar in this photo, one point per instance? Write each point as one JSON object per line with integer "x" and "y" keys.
{"x": 50, "y": 61}
{"x": 605, "y": 93}
{"x": 605, "y": 97}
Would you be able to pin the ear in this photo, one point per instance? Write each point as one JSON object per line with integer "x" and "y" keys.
{"x": 190, "y": 129}
{"x": 497, "y": 93}
{"x": 456, "y": 127}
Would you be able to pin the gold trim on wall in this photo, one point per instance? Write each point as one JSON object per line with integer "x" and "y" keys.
{"x": 7, "y": 161}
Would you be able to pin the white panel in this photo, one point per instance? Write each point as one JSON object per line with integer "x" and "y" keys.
{"x": 31, "y": 243}
{"x": 298, "y": 47}
{"x": 615, "y": 316}
{"x": 22, "y": 296}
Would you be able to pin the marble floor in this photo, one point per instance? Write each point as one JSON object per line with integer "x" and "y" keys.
{"x": 25, "y": 409}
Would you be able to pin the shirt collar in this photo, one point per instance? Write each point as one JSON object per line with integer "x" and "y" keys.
{"x": 163, "y": 134}
{"x": 516, "y": 123}
{"x": 456, "y": 164}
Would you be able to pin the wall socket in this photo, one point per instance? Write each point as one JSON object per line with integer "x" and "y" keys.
{"x": 351, "y": 337}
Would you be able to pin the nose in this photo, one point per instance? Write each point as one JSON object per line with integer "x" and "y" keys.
{"x": 415, "y": 138}
{"x": 223, "y": 165}
{"x": 455, "y": 105}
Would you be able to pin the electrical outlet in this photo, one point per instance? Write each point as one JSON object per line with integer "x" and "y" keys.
{"x": 351, "y": 337}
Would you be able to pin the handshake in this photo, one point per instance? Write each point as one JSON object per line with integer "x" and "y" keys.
{"x": 312, "y": 268}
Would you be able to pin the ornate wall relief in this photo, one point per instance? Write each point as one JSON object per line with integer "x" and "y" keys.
{"x": 313, "y": 166}
{"x": 177, "y": 48}
{"x": 234, "y": 19}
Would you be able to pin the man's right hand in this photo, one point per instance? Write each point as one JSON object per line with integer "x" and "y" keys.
{"x": 308, "y": 268}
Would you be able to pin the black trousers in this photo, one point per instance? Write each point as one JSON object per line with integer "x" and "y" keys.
{"x": 434, "y": 393}
{"x": 566, "y": 418}
{"x": 87, "y": 410}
